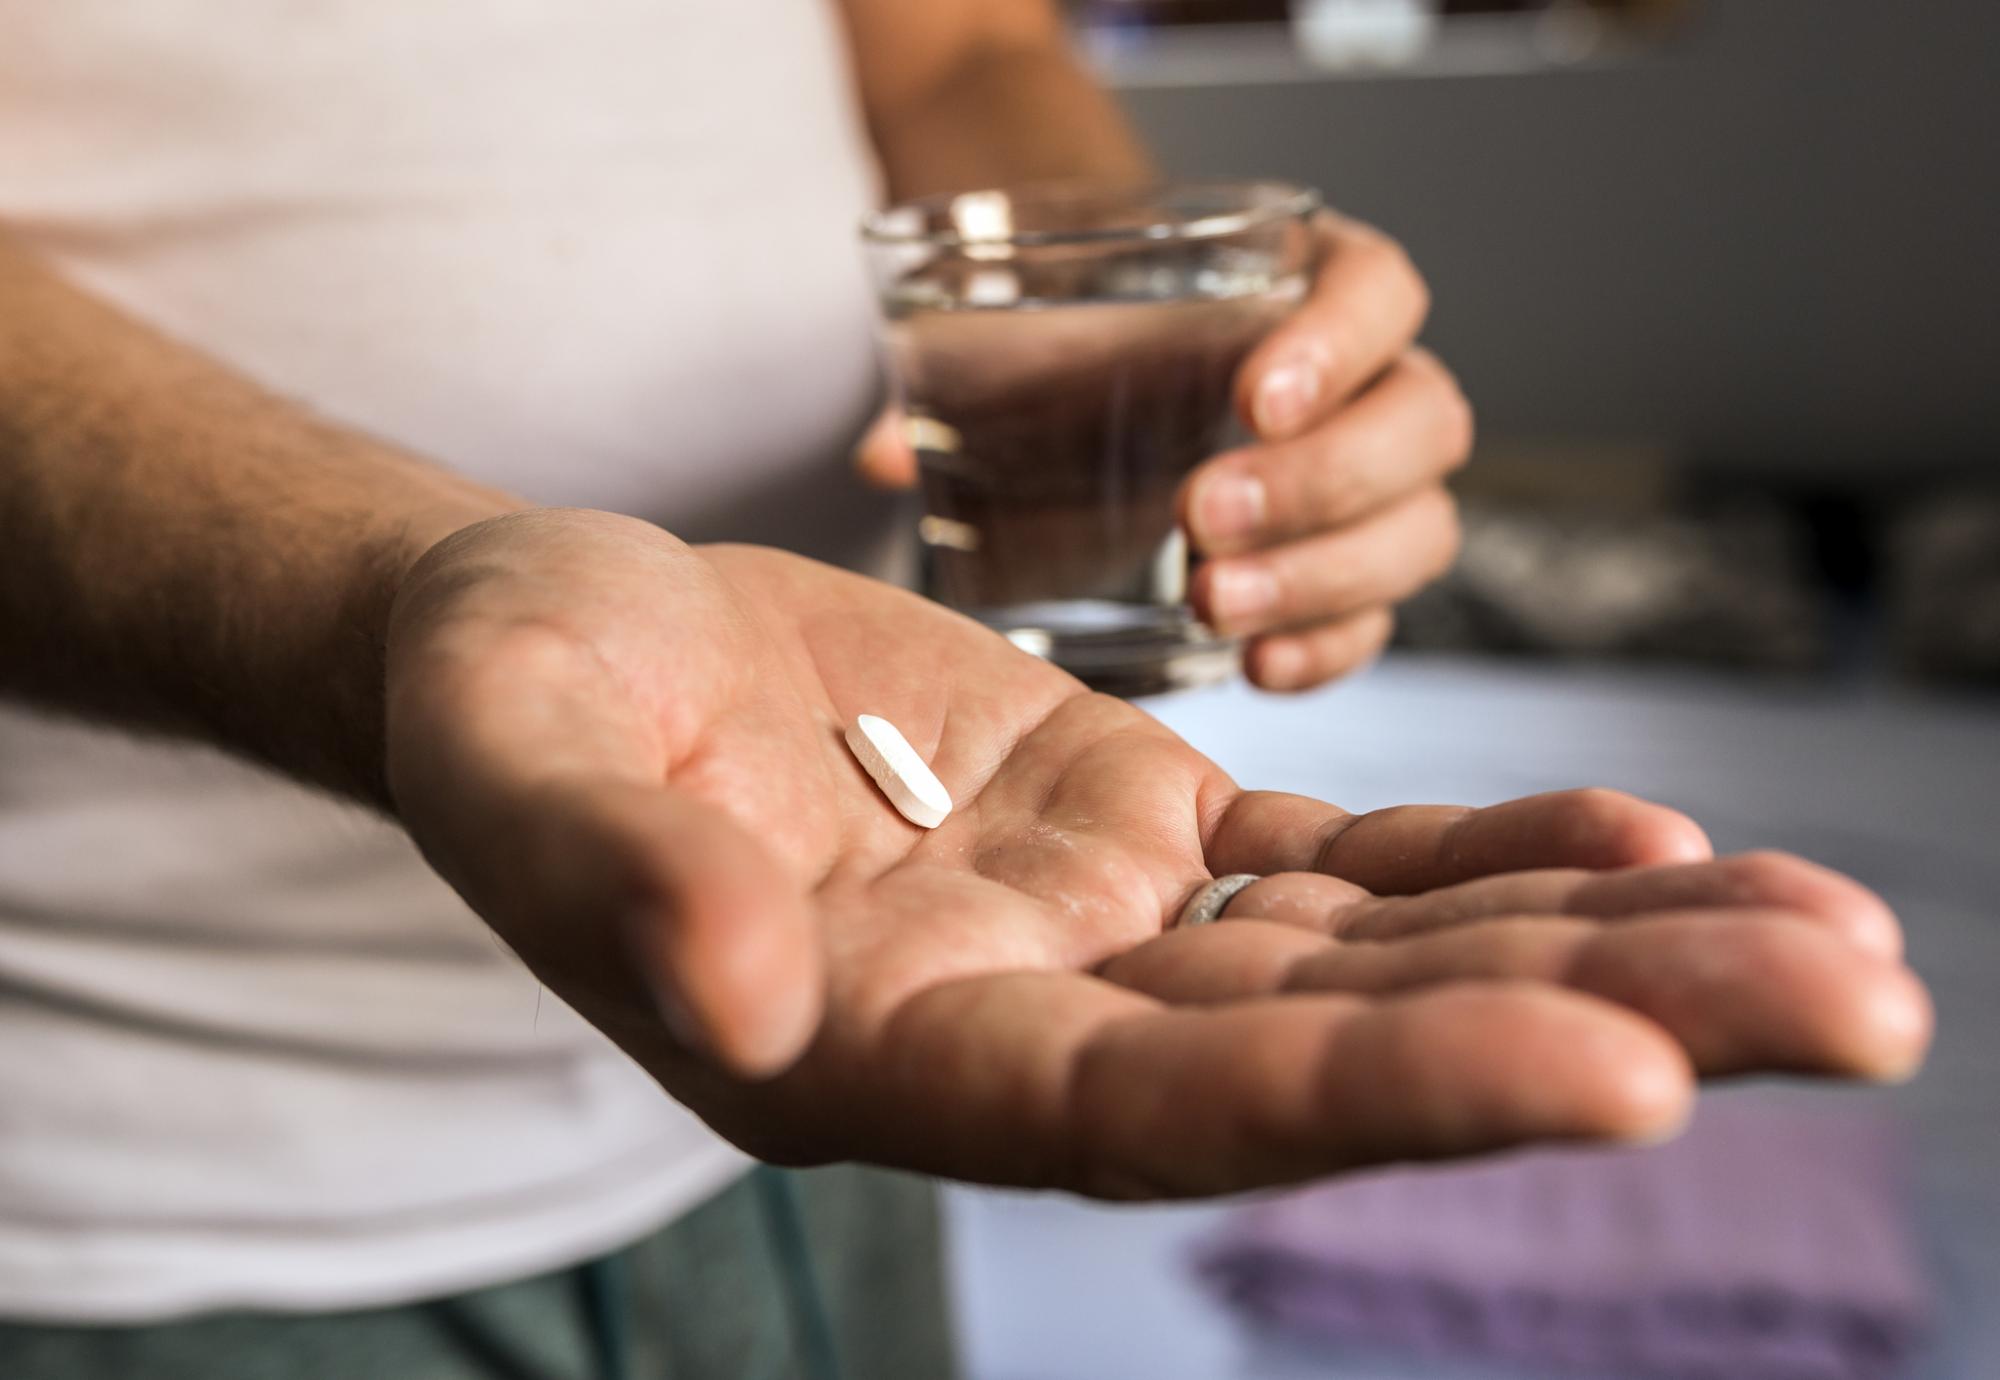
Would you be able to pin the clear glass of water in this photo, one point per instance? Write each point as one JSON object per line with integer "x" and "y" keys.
{"x": 1063, "y": 356}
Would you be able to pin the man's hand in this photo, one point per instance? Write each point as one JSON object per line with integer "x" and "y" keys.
{"x": 626, "y": 753}
{"x": 1337, "y": 510}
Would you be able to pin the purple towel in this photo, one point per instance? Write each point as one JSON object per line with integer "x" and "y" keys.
{"x": 1767, "y": 1242}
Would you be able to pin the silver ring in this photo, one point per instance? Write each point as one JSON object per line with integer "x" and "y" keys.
{"x": 1206, "y": 905}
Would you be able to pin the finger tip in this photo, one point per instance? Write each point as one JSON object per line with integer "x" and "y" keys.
{"x": 891, "y": 476}
{"x": 1641, "y": 1082}
{"x": 1600, "y": 1072}
{"x": 765, "y": 1001}
{"x": 761, "y": 1032}
{"x": 1622, "y": 830}
{"x": 883, "y": 456}
{"x": 1653, "y": 1098}
{"x": 1891, "y": 1028}
{"x": 1873, "y": 928}
{"x": 1850, "y": 909}
{"x": 1285, "y": 388}
{"x": 1276, "y": 665}
{"x": 1231, "y": 598}
{"x": 1862, "y": 916}
{"x": 740, "y": 981}
{"x": 1223, "y": 506}
{"x": 1666, "y": 837}
{"x": 765, "y": 1048}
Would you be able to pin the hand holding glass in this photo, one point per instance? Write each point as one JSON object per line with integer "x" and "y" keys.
{"x": 1064, "y": 356}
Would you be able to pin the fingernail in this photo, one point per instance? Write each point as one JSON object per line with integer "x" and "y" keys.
{"x": 1286, "y": 397}
{"x": 1228, "y": 507}
{"x": 1238, "y": 593}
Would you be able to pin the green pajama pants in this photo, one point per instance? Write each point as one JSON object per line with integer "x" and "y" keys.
{"x": 828, "y": 1274}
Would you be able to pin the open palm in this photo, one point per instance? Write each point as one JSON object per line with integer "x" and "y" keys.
{"x": 627, "y": 754}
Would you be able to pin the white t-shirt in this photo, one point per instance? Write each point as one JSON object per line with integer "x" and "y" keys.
{"x": 252, "y": 1053}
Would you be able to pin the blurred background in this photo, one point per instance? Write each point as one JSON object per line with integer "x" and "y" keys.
{"x": 1718, "y": 276}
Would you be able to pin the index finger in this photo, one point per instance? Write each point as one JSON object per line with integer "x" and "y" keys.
{"x": 1367, "y": 303}
{"x": 1412, "y": 848}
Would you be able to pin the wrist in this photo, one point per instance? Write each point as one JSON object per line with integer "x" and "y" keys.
{"x": 182, "y": 551}
{"x": 380, "y": 566}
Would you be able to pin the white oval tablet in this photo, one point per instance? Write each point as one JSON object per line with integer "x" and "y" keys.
{"x": 908, "y": 781}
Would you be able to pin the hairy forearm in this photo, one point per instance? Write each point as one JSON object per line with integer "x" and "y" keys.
{"x": 182, "y": 551}
{"x": 1007, "y": 115}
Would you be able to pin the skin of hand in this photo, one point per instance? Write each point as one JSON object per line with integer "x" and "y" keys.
{"x": 626, "y": 753}
{"x": 1337, "y": 509}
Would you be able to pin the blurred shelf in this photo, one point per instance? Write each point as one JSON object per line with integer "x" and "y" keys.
{"x": 1562, "y": 39}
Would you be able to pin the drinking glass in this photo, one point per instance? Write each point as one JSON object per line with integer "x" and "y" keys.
{"x": 1063, "y": 356}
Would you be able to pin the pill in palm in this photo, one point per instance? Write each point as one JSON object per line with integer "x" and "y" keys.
{"x": 908, "y": 781}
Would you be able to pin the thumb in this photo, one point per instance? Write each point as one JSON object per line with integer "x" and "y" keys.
{"x": 692, "y": 917}
{"x": 883, "y": 455}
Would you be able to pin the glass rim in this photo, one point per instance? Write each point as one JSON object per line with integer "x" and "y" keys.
{"x": 1292, "y": 201}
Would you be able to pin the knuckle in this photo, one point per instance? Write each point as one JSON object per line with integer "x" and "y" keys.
{"x": 1459, "y": 425}
{"x": 1258, "y": 664}
{"x": 1378, "y": 627}
{"x": 1437, "y": 508}
{"x": 1325, "y": 494}
{"x": 1388, "y": 261}
{"x": 1386, "y": 257}
{"x": 1385, "y": 631}
{"x": 1450, "y": 534}
{"x": 1293, "y": 581}
{"x": 1345, "y": 578}
{"x": 1344, "y": 232}
{"x": 1767, "y": 873}
{"x": 1327, "y": 844}
{"x": 1449, "y": 409}
{"x": 1762, "y": 860}
{"x": 1596, "y": 805}
{"x": 1418, "y": 286}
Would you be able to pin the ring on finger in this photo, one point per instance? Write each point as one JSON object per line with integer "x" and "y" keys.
{"x": 1207, "y": 904}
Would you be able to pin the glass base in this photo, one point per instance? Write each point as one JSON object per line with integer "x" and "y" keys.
{"x": 1128, "y": 650}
